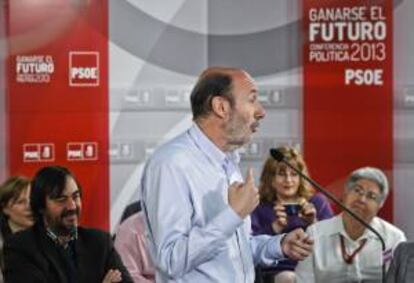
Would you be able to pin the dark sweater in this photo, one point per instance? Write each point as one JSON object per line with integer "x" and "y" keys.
{"x": 31, "y": 256}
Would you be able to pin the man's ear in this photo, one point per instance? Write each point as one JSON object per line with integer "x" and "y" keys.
{"x": 6, "y": 210}
{"x": 220, "y": 106}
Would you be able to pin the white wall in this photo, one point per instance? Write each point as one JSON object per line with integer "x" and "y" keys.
{"x": 404, "y": 116}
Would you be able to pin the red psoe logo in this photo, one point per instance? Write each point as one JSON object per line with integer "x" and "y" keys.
{"x": 83, "y": 68}
{"x": 74, "y": 151}
{"x": 38, "y": 152}
{"x": 82, "y": 151}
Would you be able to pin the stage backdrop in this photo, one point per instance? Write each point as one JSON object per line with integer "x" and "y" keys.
{"x": 337, "y": 108}
{"x": 57, "y": 96}
{"x": 348, "y": 90}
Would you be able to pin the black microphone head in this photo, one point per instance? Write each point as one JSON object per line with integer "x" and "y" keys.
{"x": 276, "y": 154}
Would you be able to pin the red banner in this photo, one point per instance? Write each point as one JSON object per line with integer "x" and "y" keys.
{"x": 58, "y": 94}
{"x": 348, "y": 98}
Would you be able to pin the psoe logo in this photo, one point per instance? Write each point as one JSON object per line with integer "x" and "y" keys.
{"x": 83, "y": 68}
{"x": 82, "y": 151}
{"x": 38, "y": 152}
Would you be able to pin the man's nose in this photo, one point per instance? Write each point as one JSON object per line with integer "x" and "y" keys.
{"x": 260, "y": 111}
{"x": 363, "y": 197}
{"x": 71, "y": 203}
{"x": 27, "y": 205}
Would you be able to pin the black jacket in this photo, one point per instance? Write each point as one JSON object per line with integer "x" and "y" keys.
{"x": 32, "y": 257}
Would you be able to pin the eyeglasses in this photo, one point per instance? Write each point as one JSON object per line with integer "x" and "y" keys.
{"x": 367, "y": 193}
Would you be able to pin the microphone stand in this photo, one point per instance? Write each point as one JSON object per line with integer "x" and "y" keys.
{"x": 276, "y": 154}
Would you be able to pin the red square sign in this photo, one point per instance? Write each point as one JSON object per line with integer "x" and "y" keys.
{"x": 83, "y": 68}
{"x": 74, "y": 151}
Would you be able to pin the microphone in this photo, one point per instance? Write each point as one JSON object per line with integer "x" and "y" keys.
{"x": 276, "y": 154}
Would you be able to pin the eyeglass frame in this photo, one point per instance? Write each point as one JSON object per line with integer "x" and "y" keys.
{"x": 368, "y": 194}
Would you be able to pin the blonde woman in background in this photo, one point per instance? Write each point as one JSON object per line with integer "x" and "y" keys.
{"x": 15, "y": 212}
{"x": 280, "y": 186}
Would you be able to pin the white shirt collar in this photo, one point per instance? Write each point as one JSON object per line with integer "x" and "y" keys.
{"x": 338, "y": 228}
{"x": 215, "y": 154}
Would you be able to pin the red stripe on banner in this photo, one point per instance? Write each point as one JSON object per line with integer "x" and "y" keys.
{"x": 58, "y": 95}
{"x": 348, "y": 98}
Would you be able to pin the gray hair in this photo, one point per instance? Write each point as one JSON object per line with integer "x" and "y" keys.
{"x": 372, "y": 174}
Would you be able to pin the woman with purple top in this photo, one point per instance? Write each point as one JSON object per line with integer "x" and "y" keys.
{"x": 287, "y": 202}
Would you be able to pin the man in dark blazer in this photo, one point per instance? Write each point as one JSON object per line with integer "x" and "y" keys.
{"x": 56, "y": 249}
{"x": 402, "y": 265}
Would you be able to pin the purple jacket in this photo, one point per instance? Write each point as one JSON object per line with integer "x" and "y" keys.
{"x": 263, "y": 216}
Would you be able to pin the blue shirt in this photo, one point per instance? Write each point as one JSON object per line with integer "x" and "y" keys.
{"x": 194, "y": 235}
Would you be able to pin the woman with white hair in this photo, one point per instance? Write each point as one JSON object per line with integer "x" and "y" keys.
{"x": 344, "y": 250}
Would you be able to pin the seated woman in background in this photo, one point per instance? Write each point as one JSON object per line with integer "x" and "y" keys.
{"x": 287, "y": 202}
{"x": 15, "y": 213}
{"x": 345, "y": 250}
{"x": 130, "y": 242}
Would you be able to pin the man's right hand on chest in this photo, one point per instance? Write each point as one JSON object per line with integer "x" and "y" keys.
{"x": 244, "y": 197}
